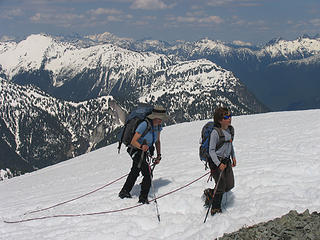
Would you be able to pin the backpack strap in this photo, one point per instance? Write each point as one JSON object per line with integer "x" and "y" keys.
{"x": 148, "y": 128}
{"x": 121, "y": 139}
{"x": 231, "y": 129}
{"x": 222, "y": 137}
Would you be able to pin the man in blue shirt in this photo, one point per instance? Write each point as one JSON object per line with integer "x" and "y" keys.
{"x": 137, "y": 150}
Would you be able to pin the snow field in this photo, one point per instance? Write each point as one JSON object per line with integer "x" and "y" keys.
{"x": 278, "y": 170}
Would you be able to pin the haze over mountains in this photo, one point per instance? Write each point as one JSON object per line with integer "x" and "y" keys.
{"x": 64, "y": 96}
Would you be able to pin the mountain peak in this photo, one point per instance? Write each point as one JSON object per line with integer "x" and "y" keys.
{"x": 274, "y": 41}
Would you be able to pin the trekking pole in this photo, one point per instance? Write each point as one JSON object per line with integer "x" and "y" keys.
{"x": 214, "y": 193}
{"x": 154, "y": 193}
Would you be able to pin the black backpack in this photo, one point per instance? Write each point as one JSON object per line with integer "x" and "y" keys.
{"x": 205, "y": 139}
{"x": 134, "y": 118}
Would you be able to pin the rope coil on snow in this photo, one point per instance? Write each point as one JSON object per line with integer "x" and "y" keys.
{"x": 103, "y": 212}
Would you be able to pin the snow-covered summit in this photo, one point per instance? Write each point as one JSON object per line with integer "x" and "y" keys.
{"x": 108, "y": 37}
{"x": 277, "y": 171}
{"x": 31, "y": 53}
{"x": 66, "y": 60}
{"x": 303, "y": 46}
{"x": 77, "y": 73}
{"x": 207, "y": 45}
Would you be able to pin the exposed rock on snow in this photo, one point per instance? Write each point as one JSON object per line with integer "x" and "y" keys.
{"x": 290, "y": 226}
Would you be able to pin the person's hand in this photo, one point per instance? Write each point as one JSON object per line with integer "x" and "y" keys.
{"x": 157, "y": 159}
{"x": 144, "y": 147}
{"x": 234, "y": 162}
{"x": 222, "y": 166}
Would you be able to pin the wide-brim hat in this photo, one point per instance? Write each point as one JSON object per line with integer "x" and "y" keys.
{"x": 158, "y": 112}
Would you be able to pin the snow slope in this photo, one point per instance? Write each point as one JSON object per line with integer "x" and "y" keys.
{"x": 278, "y": 170}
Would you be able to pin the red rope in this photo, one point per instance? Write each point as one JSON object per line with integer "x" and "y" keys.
{"x": 73, "y": 215}
{"x": 73, "y": 199}
{"x": 178, "y": 189}
{"x": 104, "y": 212}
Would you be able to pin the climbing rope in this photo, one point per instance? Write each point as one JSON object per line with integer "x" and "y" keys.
{"x": 103, "y": 212}
{"x": 76, "y": 198}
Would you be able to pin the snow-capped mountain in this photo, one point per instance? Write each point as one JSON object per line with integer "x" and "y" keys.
{"x": 276, "y": 89}
{"x": 186, "y": 77}
{"x": 275, "y": 49}
{"x": 38, "y": 130}
{"x": 118, "y": 66}
{"x": 192, "y": 89}
{"x": 73, "y": 73}
{"x": 252, "y": 65}
{"x": 296, "y": 49}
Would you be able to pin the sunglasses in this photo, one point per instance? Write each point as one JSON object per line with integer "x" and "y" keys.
{"x": 226, "y": 117}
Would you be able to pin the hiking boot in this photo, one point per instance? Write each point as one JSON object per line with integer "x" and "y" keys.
{"x": 124, "y": 194}
{"x": 215, "y": 210}
{"x": 143, "y": 200}
{"x": 207, "y": 193}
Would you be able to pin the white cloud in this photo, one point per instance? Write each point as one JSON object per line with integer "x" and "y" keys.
{"x": 104, "y": 11}
{"x": 241, "y": 43}
{"x": 196, "y": 13}
{"x": 315, "y": 22}
{"x": 16, "y": 12}
{"x": 211, "y": 19}
{"x": 5, "y": 38}
{"x": 149, "y": 4}
{"x": 244, "y": 3}
{"x": 62, "y": 19}
{"x": 194, "y": 19}
{"x": 216, "y": 3}
{"x": 235, "y": 20}
{"x": 10, "y": 14}
{"x": 114, "y": 19}
{"x": 185, "y": 19}
{"x": 36, "y": 17}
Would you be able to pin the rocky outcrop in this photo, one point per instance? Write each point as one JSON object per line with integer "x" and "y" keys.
{"x": 290, "y": 226}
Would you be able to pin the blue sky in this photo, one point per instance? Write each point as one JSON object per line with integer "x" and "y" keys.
{"x": 255, "y": 21}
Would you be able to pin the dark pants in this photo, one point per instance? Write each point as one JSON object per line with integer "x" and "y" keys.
{"x": 134, "y": 173}
{"x": 226, "y": 183}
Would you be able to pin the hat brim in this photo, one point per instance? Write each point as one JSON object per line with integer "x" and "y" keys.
{"x": 162, "y": 116}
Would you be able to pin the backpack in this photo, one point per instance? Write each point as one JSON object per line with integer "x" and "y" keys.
{"x": 134, "y": 118}
{"x": 205, "y": 139}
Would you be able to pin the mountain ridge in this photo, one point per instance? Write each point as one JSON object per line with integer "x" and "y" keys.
{"x": 43, "y": 130}
{"x": 189, "y": 89}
